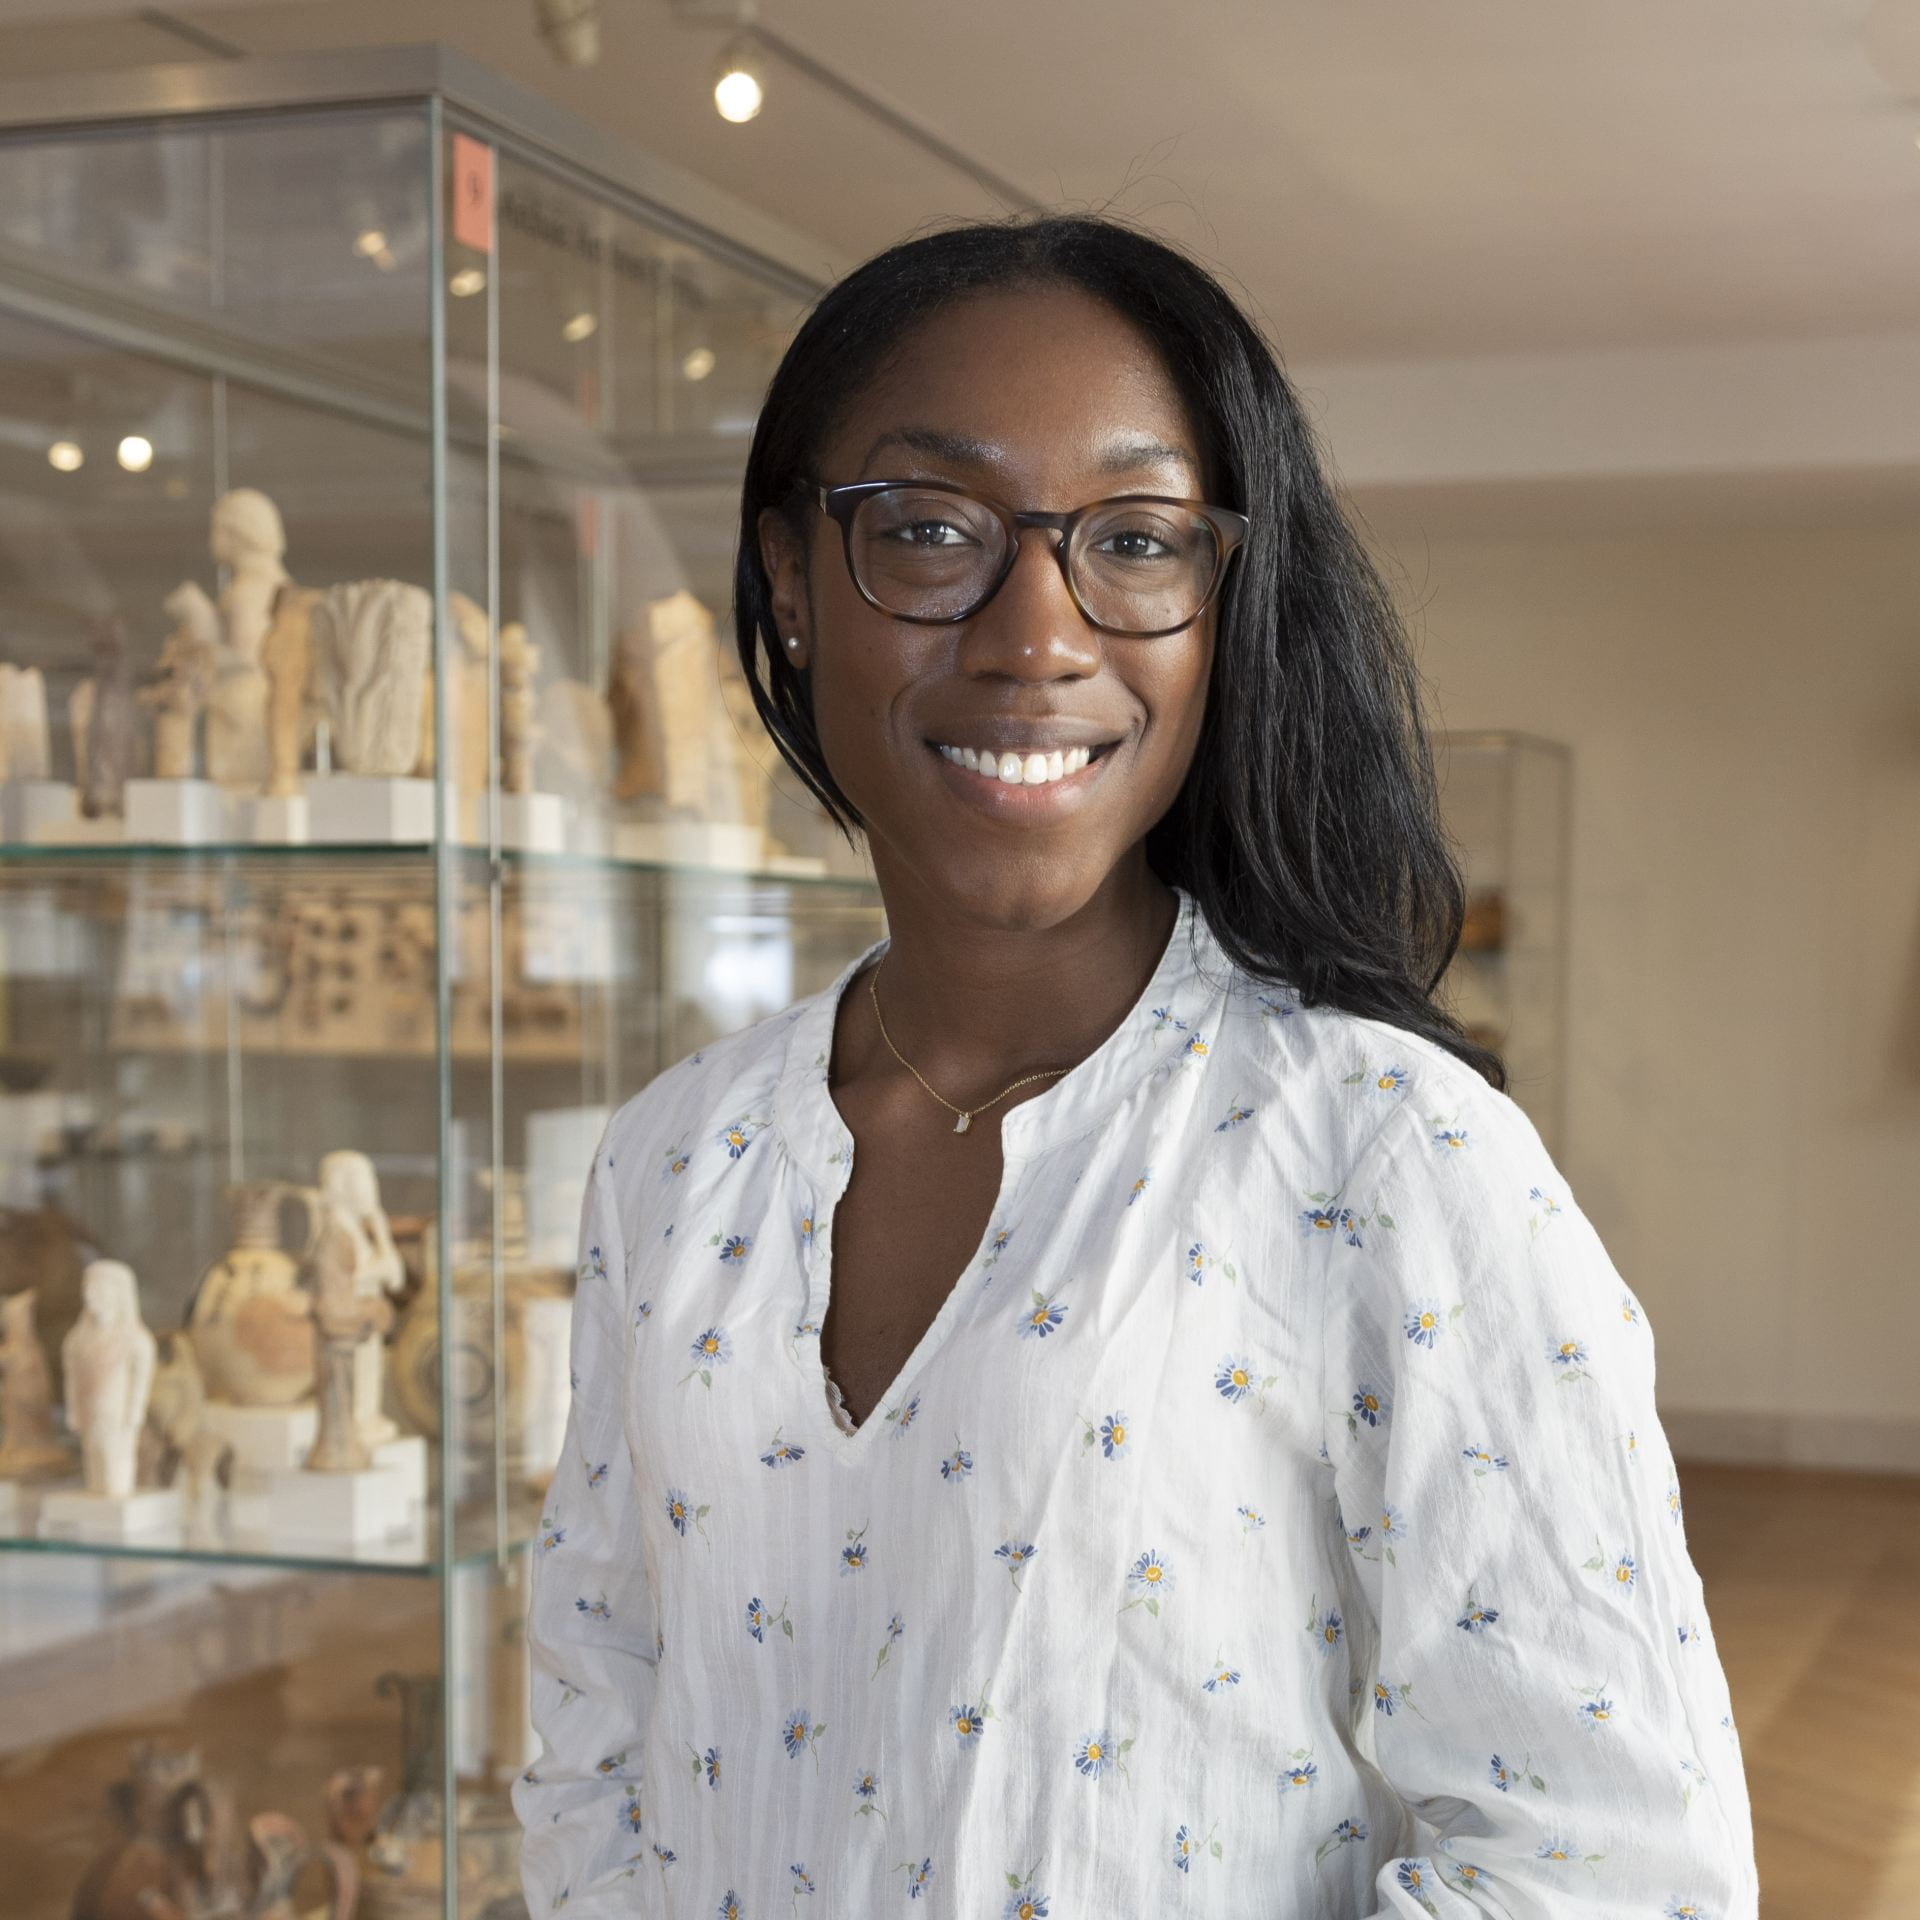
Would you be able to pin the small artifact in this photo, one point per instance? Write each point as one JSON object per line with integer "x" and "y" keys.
{"x": 349, "y": 1276}
{"x": 109, "y": 1360}
{"x": 685, "y": 693}
{"x": 348, "y": 1179}
{"x": 29, "y": 1442}
{"x": 185, "y": 1448}
{"x": 287, "y": 655}
{"x": 25, "y": 738}
{"x": 519, "y": 730}
{"x": 631, "y": 707}
{"x": 372, "y": 641}
{"x": 187, "y": 658}
{"x": 576, "y": 740}
{"x": 467, "y": 697}
{"x": 250, "y": 1321}
{"x": 102, "y": 712}
{"x": 247, "y": 538}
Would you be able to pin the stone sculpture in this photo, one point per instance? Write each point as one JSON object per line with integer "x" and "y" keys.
{"x": 102, "y": 712}
{"x": 352, "y": 1269}
{"x": 25, "y": 739}
{"x": 29, "y": 1442}
{"x": 519, "y": 729}
{"x": 109, "y": 1361}
{"x": 186, "y": 1449}
{"x": 247, "y": 539}
{"x": 250, "y": 1321}
{"x": 287, "y": 655}
{"x": 187, "y": 657}
{"x": 372, "y": 641}
{"x": 467, "y": 699}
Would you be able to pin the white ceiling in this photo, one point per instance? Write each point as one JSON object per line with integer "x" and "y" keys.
{"x": 1389, "y": 183}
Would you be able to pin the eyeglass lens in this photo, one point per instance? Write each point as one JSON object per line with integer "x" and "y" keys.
{"x": 1136, "y": 566}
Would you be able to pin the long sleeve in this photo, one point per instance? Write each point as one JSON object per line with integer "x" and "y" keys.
{"x": 592, "y": 1625}
{"x": 1536, "y": 1678}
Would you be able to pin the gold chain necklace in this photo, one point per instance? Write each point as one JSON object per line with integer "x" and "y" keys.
{"x": 966, "y": 1114}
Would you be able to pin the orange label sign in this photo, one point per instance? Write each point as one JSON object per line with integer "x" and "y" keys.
{"x": 472, "y": 193}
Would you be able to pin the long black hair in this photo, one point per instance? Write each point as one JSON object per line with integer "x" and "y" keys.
{"x": 1308, "y": 829}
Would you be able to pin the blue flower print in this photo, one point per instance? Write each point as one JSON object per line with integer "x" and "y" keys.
{"x": 597, "y": 1476}
{"x": 1596, "y": 1711}
{"x": 797, "y": 1733}
{"x": 1165, "y": 1017}
{"x": 901, "y": 1418}
{"x": 1394, "y": 1526}
{"x": 1237, "y": 1116}
{"x": 759, "y": 1619}
{"x": 1348, "y": 1833}
{"x": 1497, "y": 1770}
{"x": 1450, "y": 1139}
{"x": 596, "y": 1609}
{"x": 738, "y": 1135}
{"x": 1474, "y": 1617}
{"x": 1389, "y": 1696}
{"x": 1025, "y": 1903}
{"x": 958, "y": 1464}
{"x": 552, "y": 1535}
{"x": 629, "y": 1814}
{"x": 1622, "y": 1573}
{"x": 1149, "y": 1577}
{"x": 1327, "y": 1628}
{"x": 729, "y": 1908}
{"x": 1629, "y": 1309}
{"x": 665, "y": 1855}
{"x": 641, "y": 1314}
{"x": 781, "y": 1453}
{"x": 1414, "y": 1877}
{"x": 917, "y": 1877}
{"x": 895, "y": 1628}
{"x": 1390, "y": 1081}
{"x": 594, "y": 1266}
{"x": 1673, "y": 1501}
{"x": 712, "y": 1347}
{"x": 1195, "y": 1265}
{"x": 866, "y": 1785}
{"x": 1678, "y": 1909}
{"x": 1548, "y": 1210}
{"x": 1275, "y": 1006}
{"x": 806, "y": 1229}
{"x": 1558, "y": 1848}
{"x": 1196, "y": 1048}
{"x": 1568, "y": 1358}
{"x": 1484, "y": 1461}
{"x": 1424, "y": 1323}
{"x": 681, "y": 1511}
{"x": 1298, "y": 1772}
{"x": 802, "y": 1880}
{"x": 1139, "y": 1186}
{"x": 1370, "y": 1404}
{"x": 1221, "y": 1678}
{"x": 1251, "y": 1519}
{"x": 1095, "y": 1755}
{"x": 968, "y": 1724}
{"x": 1467, "y": 1875}
{"x": 806, "y": 1328}
{"x": 1234, "y": 1378}
{"x": 710, "y": 1762}
{"x": 734, "y": 1248}
{"x": 1044, "y": 1316}
{"x": 1328, "y": 1222}
{"x": 677, "y": 1159}
{"x": 1016, "y": 1554}
{"x": 853, "y": 1556}
{"x": 1113, "y": 1436}
{"x": 1183, "y": 1846}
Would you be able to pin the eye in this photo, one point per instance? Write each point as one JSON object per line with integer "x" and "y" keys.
{"x": 926, "y": 532}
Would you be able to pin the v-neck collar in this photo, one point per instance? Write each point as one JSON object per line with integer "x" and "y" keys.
{"x": 819, "y": 1138}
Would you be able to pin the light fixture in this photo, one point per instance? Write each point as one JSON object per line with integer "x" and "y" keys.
{"x": 698, "y": 364}
{"x": 581, "y": 327}
{"x": 135, "y": 453}
{"x": 371, "y": 244}
{"x": 65, "y": 456}
{"x": 739, "y": 85}
{"x": 571, "y": 29}
{"x": 466, "y": 283}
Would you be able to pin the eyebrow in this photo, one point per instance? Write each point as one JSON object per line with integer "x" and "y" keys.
{"x": 1120, "y": 456}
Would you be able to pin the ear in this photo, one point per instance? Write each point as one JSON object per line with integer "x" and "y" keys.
{"x": 783, "y": 553}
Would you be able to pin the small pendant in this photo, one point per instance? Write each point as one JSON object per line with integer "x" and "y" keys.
{"x": 960, "y": 1125}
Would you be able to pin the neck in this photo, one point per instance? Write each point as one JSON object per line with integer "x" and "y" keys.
{"x": 974, "y": 1004}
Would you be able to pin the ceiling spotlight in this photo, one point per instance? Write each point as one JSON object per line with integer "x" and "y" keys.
{"x": 466, "y": 283}
{"x": 739, "y": 85}
{"x": 698, "y": 364}
{"x": 135, "y": 453}
{"x": 581, "y": 327}
{"x": 371, "y": 244}
{"x": 65, "y": 456}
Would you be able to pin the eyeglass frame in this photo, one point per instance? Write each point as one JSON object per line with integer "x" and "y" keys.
{"x": 1230, "y": 529}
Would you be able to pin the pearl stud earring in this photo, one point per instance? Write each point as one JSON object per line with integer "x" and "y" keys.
{"x": 793, "y": 640}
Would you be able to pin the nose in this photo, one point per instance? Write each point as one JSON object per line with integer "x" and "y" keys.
{"x": 1032, "y": 628}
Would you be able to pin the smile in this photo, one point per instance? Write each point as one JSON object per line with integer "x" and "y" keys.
{"x": 1022, "y": 787}
{"x": 1021, "y": 770}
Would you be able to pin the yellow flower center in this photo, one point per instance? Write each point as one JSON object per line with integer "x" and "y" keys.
{"x": 1119, "y": 1435}
{"x": 1152, "y": 1573}
{"x": 1240, "y": 1376}
{"x": 1321, "y": 1223}
{"x": 1093, "y": 1749}
{"x": 1426, "y": 1321}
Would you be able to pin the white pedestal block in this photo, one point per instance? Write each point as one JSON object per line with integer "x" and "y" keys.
{"x": 796, "y": 866}
{"x": 9, "y": 1510}
{"x": 176, "y": 813}
{"x": 318, "y": 1509}
{"x": 142, "y": 1518}
{"x": 279, "y": 820}
{"x": 29, "y": 807}
{"x": 368, "y": 808}
{"x": 532, "y": 822}
{"x": 587, "y": 834}
{"x": 406, "y": 1460}
{"x": 264, "y": 1439}
{"x": 691, "y": 843}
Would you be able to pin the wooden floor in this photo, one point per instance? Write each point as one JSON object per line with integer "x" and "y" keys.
{"x": 1813, "y": 1588}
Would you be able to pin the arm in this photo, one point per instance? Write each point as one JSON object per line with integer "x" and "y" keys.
{"x": 591, "y": 1621}
{"x": 1538, "y": 1680}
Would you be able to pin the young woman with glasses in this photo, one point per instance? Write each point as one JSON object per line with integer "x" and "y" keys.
{"x": 1108, "y": 1408}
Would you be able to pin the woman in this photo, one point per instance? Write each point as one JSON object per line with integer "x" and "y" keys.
{"x": 1108, "y": 1408}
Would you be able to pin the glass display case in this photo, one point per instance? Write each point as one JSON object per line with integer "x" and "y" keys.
{"x": 1506, "y": 799}
{"x": 381, "y": 805}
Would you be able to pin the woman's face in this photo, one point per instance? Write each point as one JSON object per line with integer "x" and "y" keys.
{"x": 1046, "y": 400}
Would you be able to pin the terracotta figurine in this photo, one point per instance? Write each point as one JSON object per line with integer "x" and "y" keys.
{"x": 186, "y": 673}
{"x": 109, "y": 1359}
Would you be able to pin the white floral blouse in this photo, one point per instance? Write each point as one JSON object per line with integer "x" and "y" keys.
{"x": 1274, "y": 1520}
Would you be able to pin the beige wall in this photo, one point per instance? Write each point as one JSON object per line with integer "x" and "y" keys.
{"x": 1743, "y": 1109}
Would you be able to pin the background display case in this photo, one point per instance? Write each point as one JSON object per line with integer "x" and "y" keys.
{"x": 1506, "y": 798}
{"x": 382, "y": 805}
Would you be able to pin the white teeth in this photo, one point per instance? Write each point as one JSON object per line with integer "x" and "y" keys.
{"x": 1017, "y": 770}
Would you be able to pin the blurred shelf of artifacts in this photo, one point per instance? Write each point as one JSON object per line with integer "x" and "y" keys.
{"x": 381, "y": 803}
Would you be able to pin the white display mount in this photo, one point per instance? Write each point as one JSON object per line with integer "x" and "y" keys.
{"x": 143, "y": 1517}
{"x": 177, "y": 813}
